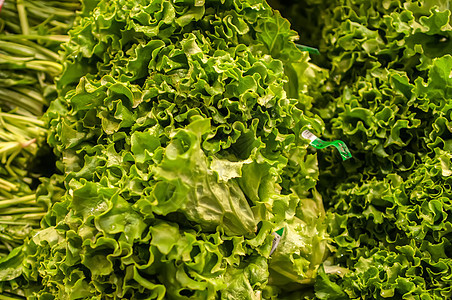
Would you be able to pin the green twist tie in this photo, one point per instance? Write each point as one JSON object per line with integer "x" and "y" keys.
{"x": 277, "y": 237}
{"x": 319, "y": 144}
{"x": 307, "y": 48}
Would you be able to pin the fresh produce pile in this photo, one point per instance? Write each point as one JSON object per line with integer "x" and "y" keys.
{"x": 30, "y": 36}
{"x": 179, "y": 157}
{"x": 181, "y": 167}
{"x": 388, "y": 96}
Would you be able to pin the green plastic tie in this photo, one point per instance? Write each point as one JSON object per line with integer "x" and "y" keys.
{"x": 307, "y": 48}
{"x": 277, "y": 234}
{"x": 280, "y": 231}
{"x": 320, "y": 144}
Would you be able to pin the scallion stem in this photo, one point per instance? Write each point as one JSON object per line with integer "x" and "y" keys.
{"x": 32, "y": 223}
{"x": 6, "y": 185}
{"x": 6, "y": 238}
{"x": 23, "y": 17}
{"x": 54, "y": 38}
{"x": 20, "y": 100}
{"x": 21, "y": 200}
{"x": 21, "y": 210}
{"x": 34, "y": 216}
{"x": 45, "y": 66}
{"x": 28, "y": 120}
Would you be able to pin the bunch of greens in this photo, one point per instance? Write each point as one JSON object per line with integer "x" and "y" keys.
{"x": 178, "y": 137}
{"x": 388, "y": 95}
{"x": 30, "y": 36}
{"x": 19, "y": 213}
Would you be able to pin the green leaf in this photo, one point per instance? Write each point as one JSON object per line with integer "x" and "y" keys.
{"x": 11, "y": 266}
{"x": 186, "y": 158}
{"x": 207, "y": 201}
{"x": 327, "y": 289}
{"x": 164, "y": 237}
{"x": 89, "y": 198}
{"x": 143, "y": 144}
{"x": 277, "y": 36}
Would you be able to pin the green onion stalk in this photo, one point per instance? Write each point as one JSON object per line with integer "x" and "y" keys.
{"x": 31, "y": 34}
{"x": 19, "y": 211}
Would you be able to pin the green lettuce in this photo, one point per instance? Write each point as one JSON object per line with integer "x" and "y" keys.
{"x": 387, "y": 95}
{"x": 178, "y": 141}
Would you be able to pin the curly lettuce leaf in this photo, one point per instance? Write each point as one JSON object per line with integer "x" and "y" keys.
{"x": 177, "y": 134}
